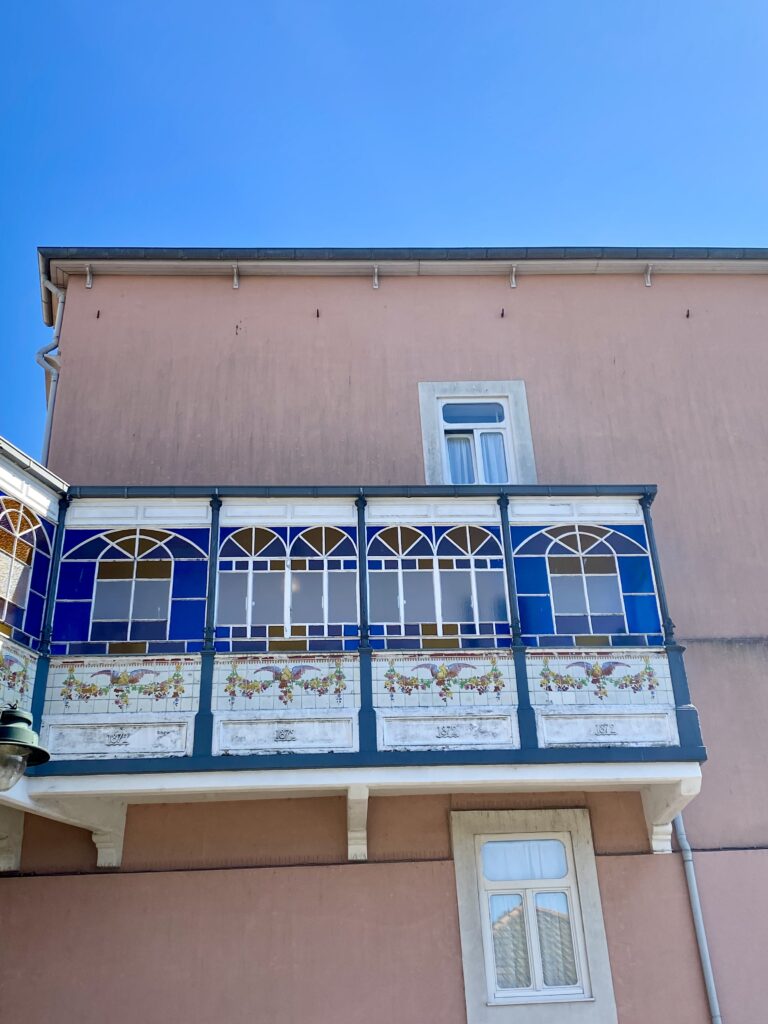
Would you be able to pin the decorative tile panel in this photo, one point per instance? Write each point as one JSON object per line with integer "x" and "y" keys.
{"x": 95, "y": 737}
{"x": 261, "y": 732}
{"x": 17, "y": 674}
{"x": 271, "y": 683}
{"x": 602, "y": 698}
{"x": 449, "y": 700}
{"x": 122, "y": 686}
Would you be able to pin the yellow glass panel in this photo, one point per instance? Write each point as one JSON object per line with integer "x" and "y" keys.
{"x": 429, "y": 629}
{"x": 275, "y": 631}
{"x": 298, "y": 630}
{"x": 451, "y": 628}
{"x": 261, "y": 539}
{"x": 153, "y": 569}
{"x": 7, "y": 541}
{"x": 24, "y": 552}
{"x": 115, "y": 570}
{"x": 445, "y": 642}
{"x": 287, "y": 645}
{"x": 123, "y": 647}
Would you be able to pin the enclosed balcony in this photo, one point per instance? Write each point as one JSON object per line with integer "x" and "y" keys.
{"x": 477, "y": 637}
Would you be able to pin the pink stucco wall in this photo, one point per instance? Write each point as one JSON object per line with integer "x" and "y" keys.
{"x": 335, "y": 944}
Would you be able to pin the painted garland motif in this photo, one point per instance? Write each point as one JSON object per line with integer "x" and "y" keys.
{"x": 599, "y": 674}
{"x": 287, "y": 679}
{"x": 122, "y": 684}
{"x": 14, "y": 673}
{"x": 444, "y": 677}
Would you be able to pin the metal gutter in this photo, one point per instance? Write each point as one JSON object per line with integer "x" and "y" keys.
{"x": 574, "y": 255}
{"x": 374, "y": 491}
{"x": 31, "y": 466}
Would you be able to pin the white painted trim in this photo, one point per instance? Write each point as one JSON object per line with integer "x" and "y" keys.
{"x": 357, "y": 822}
{"x": 522, "y": 464}
{"x": 168, "y": 513}
{"x": 25, "y": 485}
{"x": 11, "y": 838}
{"x": 596, "y": 1003}
{"x": 159, "y": 787}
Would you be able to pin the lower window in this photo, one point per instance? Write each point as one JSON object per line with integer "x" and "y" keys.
{"x": 531, "y": 923}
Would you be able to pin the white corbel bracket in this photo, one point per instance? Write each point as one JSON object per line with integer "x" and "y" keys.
{"x": 357, "y": 823}
{"x": 235, "y": 276}
{"x": 88, "y": 276}
{"x": 376, "y": 276}
{"x": 648, "y": 275}
{"x": 513, "y": 277}
{"x": 661, "y": 804}
{"x": 104, "y": 819}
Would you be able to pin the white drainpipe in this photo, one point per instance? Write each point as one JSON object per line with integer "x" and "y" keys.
{"x": 698, "y": 921}
{"x": 51, "y": 365}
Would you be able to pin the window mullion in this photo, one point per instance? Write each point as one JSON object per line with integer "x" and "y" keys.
{"x": 534, "y": 947}
{"x": 400, "y": 591}
{"x": 473, "y": 591}
{"x": 287, "y": 584}
{"x": 325, "y": 596}
{"x": 249, "y": 597}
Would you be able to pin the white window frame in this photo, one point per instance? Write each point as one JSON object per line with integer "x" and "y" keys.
{"x": 592, "y": 1001}
{"x": 472, "y": 430}
{"x": 516, "y": 428}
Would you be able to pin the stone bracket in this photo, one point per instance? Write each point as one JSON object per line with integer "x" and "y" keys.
{"x": 661, "y": 804}
{"x": 104, "y": 819}
{"x": 357, "y": 822}
{"x": 11, "y": 835}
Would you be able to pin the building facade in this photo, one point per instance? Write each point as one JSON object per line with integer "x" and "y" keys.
{"x": 367, "y": 602}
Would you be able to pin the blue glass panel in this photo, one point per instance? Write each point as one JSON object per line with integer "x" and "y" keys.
{"x": 350, "y": 563}
{"x": 480, "y": 641}
{"x": 34, "y": 620}
{"x": 421, "y": 547}
{"x": 315, "y": 564}
{"x": 275, "y": 549}
{"x": 481, "y": 563}
{"x": 241, "y": 566}
{"x": 231, "y": 550}
{"x": 376, "y": 630}
{"x": 531, "y": 575}
{"x": 345, "y": 547}
{"x": 642, "y": 614}
{"x": 556, "y": 641}
{"x": 195, "y": 646}
{"x": 409, "y": 563}
{"x": 258, "y": 630}
{"x": 334, "y": 563}
{"x": 486, "y": 627}
{"x": 447, "y": 547}
{"x": 636, "y": 575}
{"x": 190, "y": 579}
{"x": 187, "y": 620}
{"x": 315, "y": 630}
{"x": 390, "y": 563}
{"x": 149, "y": 631}
{"x": 378, "y": 645}
{"x": 504, "y": 642}
{"x": 601, "y": 549}
{"x": 218, "y": 645}
{"x": 396, "y": 644}
{"x": 636, "y": 533}
{"x": 198, "y": 536}
{"x": 467, "y": 628}
{"x": 351, "y": 645}
{"x": 375, "y": 563}
{"x": 226, "y": 566}
{"x": 350, "y": 631}
{"x": 537, "y": 545}
{"x": 530, "y": 641}
{"x": 502, "y": 628}
{"x": 260, "y": 565}
{"x": 560, "y": 549}
{"x": 71, "y": 620}
{"x": 379, "y": 548}
{"x": 522, "y": 533}
{"x": 74, "y": 537}
{"x": 40, "y": 566}
{"x": 535, "y": 615}
{"x": 656, "y": 639}
{"x": 239, "y": 632}
{"x": 412, "y": 629}
{"x": 109, "y": 631}
{"x": 325, "y": 645}
{"x": 628, "y": 641}
{"x": 76, "y": 580}
{"x": 58, "y": 649}
{"x": 489, "y": 547}
{"x": 93, "y": 549}
{"x": 462, "y": 563}
{"x": 497, "y": 563}
{"x": 300, "y": 549}
{"x": 335, "y": 630}
{"x": 249, "y": 645}
{"x": 50, "y": 529}
{"x": 165, "y": 647}
{"x": 87, "y": 648}
{"x": 572, "y": 624}
{"x": 14, "y": 616}
{"x": 393, "y": 631}
{"x": 222, "y": 631}
{"x": 608, "y": 624}
{"x": 20, "y": 637}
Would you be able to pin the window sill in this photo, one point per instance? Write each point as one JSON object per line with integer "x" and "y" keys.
{"x": 541, "y": 1000}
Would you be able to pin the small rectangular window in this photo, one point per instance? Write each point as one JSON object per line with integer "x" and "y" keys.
{"x": 474, "y": 453}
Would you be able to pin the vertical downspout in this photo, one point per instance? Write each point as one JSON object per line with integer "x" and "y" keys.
{"x": 698, "y": 920}
{"x": 51, "y": 366}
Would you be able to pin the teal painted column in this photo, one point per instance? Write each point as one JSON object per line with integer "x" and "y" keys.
{"x": 526, "y": 716}
{"x": 203, "y": 739}
{"x": 44, "y": 659}
{"x": 367, "y": 716}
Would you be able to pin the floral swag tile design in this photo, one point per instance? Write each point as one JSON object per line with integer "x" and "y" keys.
{"x": 286, "y": 678}
{"x": 14, "y": 674}
{"x": 122, "y": 684}
{"x": 599, "y": 674}
{"x": 444, "y": 677}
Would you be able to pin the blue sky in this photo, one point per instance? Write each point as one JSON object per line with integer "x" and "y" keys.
{"x": 333, "y": 122}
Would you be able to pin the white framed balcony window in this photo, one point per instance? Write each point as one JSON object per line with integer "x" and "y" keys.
{"x": 476, "y": 432}
{"x": 530, "y": 918}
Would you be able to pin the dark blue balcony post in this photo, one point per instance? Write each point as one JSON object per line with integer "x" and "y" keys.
{"x": 687, "y": 716}
{"x": 44, "y": 659}
{"x": 203, "y": 741}
{"x": 525, "y": 713}
{"x": 367, "y": 718}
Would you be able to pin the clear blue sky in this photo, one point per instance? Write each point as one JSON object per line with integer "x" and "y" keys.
{"x": 352, "y": 122}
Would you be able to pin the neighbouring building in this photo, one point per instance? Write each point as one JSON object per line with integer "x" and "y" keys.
{"x": 366, "y": 650}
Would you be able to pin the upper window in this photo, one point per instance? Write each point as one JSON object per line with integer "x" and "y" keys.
{"x": 476, "y": 442}
{"x": 530, "y": 917}
{"x": 476, "y": 432}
